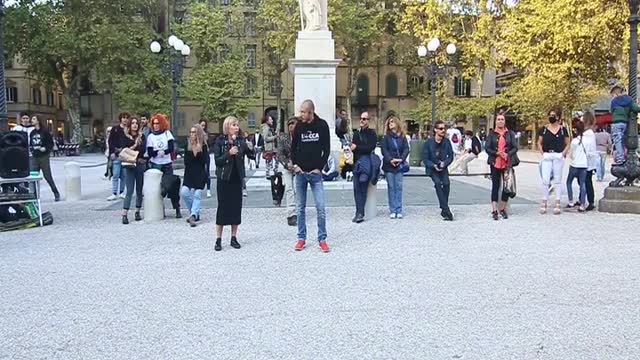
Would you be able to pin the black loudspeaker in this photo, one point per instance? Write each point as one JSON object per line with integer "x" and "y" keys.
{"x": 14, "y": 155}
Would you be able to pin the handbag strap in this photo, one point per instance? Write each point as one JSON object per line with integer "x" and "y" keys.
{"x": 395, "y": 142}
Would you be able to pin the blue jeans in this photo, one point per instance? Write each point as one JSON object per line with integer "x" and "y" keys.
{"x": 581, "y": 175}
{"x": 600, "y": 169}
{"x": 118, "y": 175}
{"x": 192, "y": 199}
{"x": 134, "y": 176}
{"x": 394, "y": 190}
{"x": 617, "y": 135}
{"x": 315, "y": 182}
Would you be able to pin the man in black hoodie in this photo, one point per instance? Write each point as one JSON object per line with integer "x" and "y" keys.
{"x": 364, "y": 143}
{"x": 310, "y": 149}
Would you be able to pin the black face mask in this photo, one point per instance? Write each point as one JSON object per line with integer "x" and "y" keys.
{"x": 552, "y": 119}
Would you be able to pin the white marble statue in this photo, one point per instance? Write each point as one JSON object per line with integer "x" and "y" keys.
{"x": 313, "y": 15}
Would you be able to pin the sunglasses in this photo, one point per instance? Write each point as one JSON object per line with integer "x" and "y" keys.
{"x": 440, "y": 128}
{"x": 364, "y": 118}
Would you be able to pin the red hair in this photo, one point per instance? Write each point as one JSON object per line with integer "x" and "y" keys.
{"x": 164, "y": 123}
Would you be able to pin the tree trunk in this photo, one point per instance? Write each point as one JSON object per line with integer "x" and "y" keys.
{"x": 73, "y": 117}
{"x": 279, "y": 124}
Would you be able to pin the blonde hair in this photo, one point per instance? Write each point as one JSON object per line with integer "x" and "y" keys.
{"x": 230, "y": 120}
{"x": 399, "y": 125}
{"x": 200, "y": 140}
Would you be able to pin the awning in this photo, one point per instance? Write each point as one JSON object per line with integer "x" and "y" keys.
{"x": 604, "y": 119}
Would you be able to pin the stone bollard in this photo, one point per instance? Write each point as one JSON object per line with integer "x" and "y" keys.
{"x": 72, "y": 182}
{"x": 153, "y": 204}
{"x": 370, "y": 207}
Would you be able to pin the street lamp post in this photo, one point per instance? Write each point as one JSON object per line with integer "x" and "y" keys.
{"x": 434, "y": 69}
{"x": 4, "y": 125}
{"x": 176, "y": 66}
{"x": 630, "y": 170}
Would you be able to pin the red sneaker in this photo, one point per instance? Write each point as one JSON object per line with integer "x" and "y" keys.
{"x": 300, "y": 245}
{"x": 324, "y": 247}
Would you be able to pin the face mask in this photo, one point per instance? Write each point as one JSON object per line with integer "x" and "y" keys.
{"x": 552, "y": 119}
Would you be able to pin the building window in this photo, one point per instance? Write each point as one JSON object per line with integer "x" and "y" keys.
{"x": 251, "y": 120}
{"x": 50, "y": 98}
{"x": 416, "y": 84}
{"x": 228, "y": 24}
{"x": 223, "y": 53}
{"x": 392, "y": 85}
{"x": 36, "y": 96}
{"x": 250, "y": 51}
{"x": 461, "y": 87}
{"x": 180, "y": 119}
{"x": 391, "y": 56}
{"x": 225, "y": 2}
{"x": 60, "y": 101}
{"x": 275, "y": 86}
{"x": 250, "y": 24}
{"x": 361, "y": 55}
{"x": 12, "y": 94}
{"x": 250, "y": 86}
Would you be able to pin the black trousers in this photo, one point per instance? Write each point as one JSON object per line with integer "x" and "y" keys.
{"x": 42, "y": 163}
{"x": 360, "y": 195}
{"x": 496, "y": 183}
{"x": 443, "y": 187}
{"x": 591, "y": 196}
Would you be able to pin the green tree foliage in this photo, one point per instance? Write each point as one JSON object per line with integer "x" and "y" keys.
{"x": 278, "y": 22}
{"x": 64, "y": 42}
{"x": 564, "y": 50}
{"x": 358, "y": 26}
{"x": 219, "y": 78}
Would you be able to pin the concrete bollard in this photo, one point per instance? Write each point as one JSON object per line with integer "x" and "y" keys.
{"x": 72, "y": 182}
{"x": 370, "y": 207}
{"x": 153, "y": 205}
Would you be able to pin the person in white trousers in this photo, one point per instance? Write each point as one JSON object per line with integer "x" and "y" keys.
{"x": 554, "y": 143}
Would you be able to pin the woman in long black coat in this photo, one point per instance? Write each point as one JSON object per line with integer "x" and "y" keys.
{"x": 229, "y": 151}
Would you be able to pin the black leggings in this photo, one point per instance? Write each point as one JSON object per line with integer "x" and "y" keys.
{"x": 591, "y": 196}
{"x": 496, "y": 184}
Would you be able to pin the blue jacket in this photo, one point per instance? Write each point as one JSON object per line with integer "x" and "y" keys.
{"x": 434, "y": 153}
{"x": 367, "y": 169}
{"x": 389, "y": 151}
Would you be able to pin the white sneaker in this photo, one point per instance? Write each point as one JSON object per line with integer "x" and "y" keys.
{"x": 122, "y": 195}
{"x": 392, "y": 216}
{"x": 112, "y": 197}
{"x": 208, "y": 193}
{"x": 398, "y": 216}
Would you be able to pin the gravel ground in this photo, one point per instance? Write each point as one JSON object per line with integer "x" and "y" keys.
{"x": 552, "y": 287}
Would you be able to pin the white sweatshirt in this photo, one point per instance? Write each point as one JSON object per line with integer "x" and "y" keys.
{"x": 590, "y": 144}
{"x": 579, "y": 153}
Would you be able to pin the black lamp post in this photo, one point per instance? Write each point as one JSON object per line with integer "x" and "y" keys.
{"x": 434, "y": 69}
{"x": 176, "y": 66}
{"x": 630, "y": 170}
{"x": 4, "y": 125}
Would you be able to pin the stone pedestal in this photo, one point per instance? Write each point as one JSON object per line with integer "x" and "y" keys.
{"x": 314, "y": 70}
{"x": 72, "y": 182}
{"x": 623, "y": 200}
{"x": 153, "y": 204}
{"x": 371, "y": 206}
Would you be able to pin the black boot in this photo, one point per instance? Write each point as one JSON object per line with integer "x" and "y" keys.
{"x": 137, "y": 216}
{"x": 56, "y": 196}
{"x": 218, "y": 244}
{"x": 178, "y": 215}
{"x": 125, "y": 220}
{"x": 234, "y": 243}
